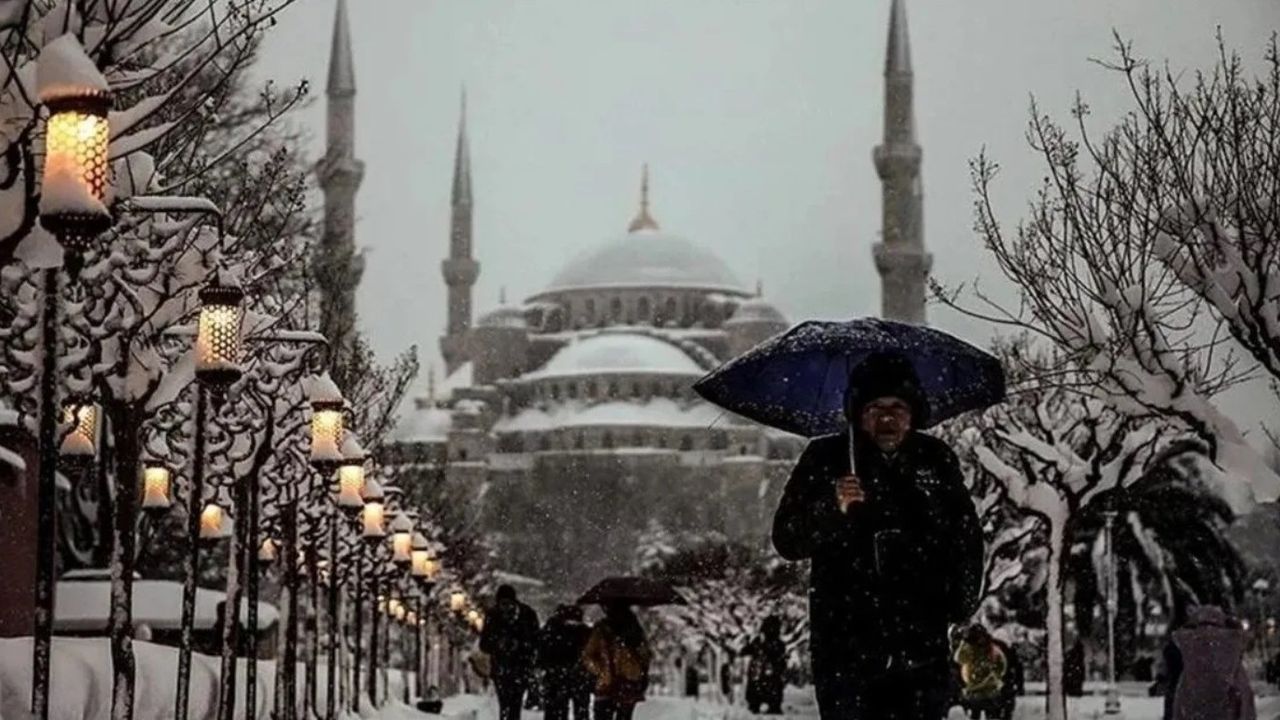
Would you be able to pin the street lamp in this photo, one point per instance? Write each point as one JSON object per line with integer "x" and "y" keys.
{"x": 81, "y": 441}
{"x": 214, "y": 524}
{"x": 372, "y": 520}
{"x": 327, "y": 404}
{"x": 75, "y": 188}
{"x": 351, "y": 476}
{"x": 268, "y": 551}
{"x": 458, "y": 601}
{"x": 218, "y": 342}
{"x": 402, "y": 540}
{"x": 421, "y": 566}
{"x": 476, "y": 619}
{"x": 157, "y": 488}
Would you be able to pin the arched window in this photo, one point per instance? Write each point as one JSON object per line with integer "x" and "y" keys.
{"x": 655, "y": 390}
{"x": 578, "y": 441}
{"x": 719, "y": 440}
{"x": 642, "y": 309}
{"x": 635, "y": 390}
{"x": 462, "y": 454}
{"x": 607, "y": 440}
{"x": 686, "y": 442}
{"x": 591, "y": 389}
{"x": 661, "y": 440}
{"x": 613, "y": 390}
{"x": 671, "y": 311}
{"x": 590, "y": 310}
{"x": 544, "y": 443}
{"x": 555, "y": 392}
{"x": 615, "y": 309}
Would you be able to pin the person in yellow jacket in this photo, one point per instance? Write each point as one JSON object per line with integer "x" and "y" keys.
{"x": 618, "y": 655}
{"x": 982, "y": 668}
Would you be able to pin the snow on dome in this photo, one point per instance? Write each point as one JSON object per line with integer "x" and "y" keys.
{"x": 655, "y": 412}
{"x": 504, "y": 316}
{"x": 646, "y": 258}
{"x": 64, "y": 71}
{"x": 756, "y": 310}
{"x": 618, "y": 353}
{"x": 423, "y": 423}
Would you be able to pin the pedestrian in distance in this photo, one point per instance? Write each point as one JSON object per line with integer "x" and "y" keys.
{"x": 509, "y": 639}
{"x": 566, "y": 681}
{"x": 1211, "y": 683}
{"x": 982, "y": 672}
{"x": 618, "y": 655}
{"x": 766, "y": 673}
{"x": 896, "y": 550}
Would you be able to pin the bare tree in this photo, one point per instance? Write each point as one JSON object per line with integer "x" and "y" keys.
{"x": 1149, "y": 256}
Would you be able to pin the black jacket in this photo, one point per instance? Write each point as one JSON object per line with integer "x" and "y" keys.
{"x": 510, "y": 637}
{"x": 890, "y": 575}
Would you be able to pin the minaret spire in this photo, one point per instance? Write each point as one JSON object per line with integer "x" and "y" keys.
{"x": 900, "y": 255}
{"x": 643, "y": 220}
{"x": 460, "y": 270}
{"x": 339, "y": 267}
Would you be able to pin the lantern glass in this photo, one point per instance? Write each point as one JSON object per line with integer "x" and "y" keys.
{"x": 76, "y": 183}
{"x": 411, "y": 618}
{"x": 218, "y": 337}
{"x": 476, "y": 619}
{"x": 268, "y": 551}
{"x": 157, "y": 486}
{"x": 458, "y": 601}
{"x": 399, "y": 611}
{"x": 82, "y": 440}
{"x": 326, "y": 436}
{"x": 350, "y": 486}
{"x": 419, "y": 563}
{"x": 402, "y": 548}
{"x": 373, "y": 517}
{"x": 212, "y": 520}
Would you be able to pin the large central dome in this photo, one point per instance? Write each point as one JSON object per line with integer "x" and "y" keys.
{"x": 646, "y": 257}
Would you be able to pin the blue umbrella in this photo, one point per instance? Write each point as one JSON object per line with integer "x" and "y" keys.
{"x": 796, "y": 381}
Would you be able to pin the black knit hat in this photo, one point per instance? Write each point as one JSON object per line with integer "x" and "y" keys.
{"x": 885, "y": 375}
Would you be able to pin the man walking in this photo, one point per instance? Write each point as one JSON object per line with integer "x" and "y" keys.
{"x": 896, "y": 551}
{"x": 509, "y": 639}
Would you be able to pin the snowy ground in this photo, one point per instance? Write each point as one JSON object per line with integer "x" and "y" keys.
{"x": 82, "y": 691}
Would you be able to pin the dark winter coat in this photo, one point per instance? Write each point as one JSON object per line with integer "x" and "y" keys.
{"x": 1213, "y": 684}
{"x": 888, "y": 576}
{"x": 766, "y": 673}
{"x": 510, "y": 639}
{"x": 560, "y": 646}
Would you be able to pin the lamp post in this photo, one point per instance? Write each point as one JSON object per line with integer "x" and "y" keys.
{"x": 1111, "y": 704}
{"x": 73, "y": 207}
{"x": 218, "y": 347}
{"x": 157, "y": 488}
{"x": 349, "y": 501}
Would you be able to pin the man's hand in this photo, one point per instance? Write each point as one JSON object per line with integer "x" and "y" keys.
{"x": 849, "y": 491}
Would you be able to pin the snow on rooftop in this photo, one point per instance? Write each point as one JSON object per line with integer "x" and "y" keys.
{"x": 618, "y": 353}
{"x": 421, "y": 421}
{"x": 456, "y": 380}
{"x": 85, "y": 605}
{"x": 656, "y": 412}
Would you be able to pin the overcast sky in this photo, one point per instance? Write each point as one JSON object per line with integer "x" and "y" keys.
{"x": 757, "y": 117}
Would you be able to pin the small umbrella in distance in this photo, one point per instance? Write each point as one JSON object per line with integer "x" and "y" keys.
{"x": 635, "y": 591}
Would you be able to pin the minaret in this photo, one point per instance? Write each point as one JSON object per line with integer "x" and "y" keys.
{"x": 900, "y": 256}
{"x": 338, "y": 267}
{"x": 460, "y": 270}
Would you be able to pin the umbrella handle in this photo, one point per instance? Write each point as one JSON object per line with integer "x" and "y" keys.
{"x": 853, "y": 466}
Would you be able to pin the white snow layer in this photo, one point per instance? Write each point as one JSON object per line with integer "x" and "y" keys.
{"x": 84, "y": 606}
{"x": 64, "y": 70}
{"x": 657, "y": 412}
{"x": 618, "y": 353}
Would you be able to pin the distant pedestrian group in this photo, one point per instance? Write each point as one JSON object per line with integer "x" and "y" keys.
{"x": 609, "y": 660}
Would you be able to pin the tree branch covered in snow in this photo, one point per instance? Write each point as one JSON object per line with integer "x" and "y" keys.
{"x": 1150, "y": 255}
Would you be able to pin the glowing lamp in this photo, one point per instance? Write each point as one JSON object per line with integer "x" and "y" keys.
{"x": 268, "y": 551}
{"x": 395, "y": 608}
{"x": 81, "y": 441}
{"x": 157, "y": 488}
{"x": 218, "y": 335}
{"x": 372, "y": 520}
{"x": 351, "y": 475}
{"x": 214, "y": 524}
{"x": 411, "y": 618}
{"x": 476, "y": 619}
{"x": 420, "y": 564}
{"x": 458, "y": 601}
{"x": 402, "y": 540}
{"x": 75, "y": 187}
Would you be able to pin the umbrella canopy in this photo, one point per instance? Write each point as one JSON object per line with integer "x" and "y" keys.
{"x": 797, "y": 381}
{"x": 637, "y": 591}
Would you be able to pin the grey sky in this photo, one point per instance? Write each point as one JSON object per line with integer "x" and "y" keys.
{"x": 757, "y": 116}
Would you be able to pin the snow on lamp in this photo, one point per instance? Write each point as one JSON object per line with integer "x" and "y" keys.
{"x": 218, "y": 335}
{"x": 402, "y": 540}
{"x": 157, "y": 488}
{"x": 81, "y": 441}
{"x": 326, "y": 423}
{"x": 268, "y": 551}
{"x": 420, "y": 562}
{"x": 75, "y": 184}
{"x": 351, "y": 476}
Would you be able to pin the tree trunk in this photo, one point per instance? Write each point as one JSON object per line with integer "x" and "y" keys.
{"x": 46, "y": 501}
{"x": 191, "y": 563}
{"x": 125, "y": 423}
{"x": 375, "y": 622}
{"x": 1056, "y": 699}
{"x": 231, "y": 606}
